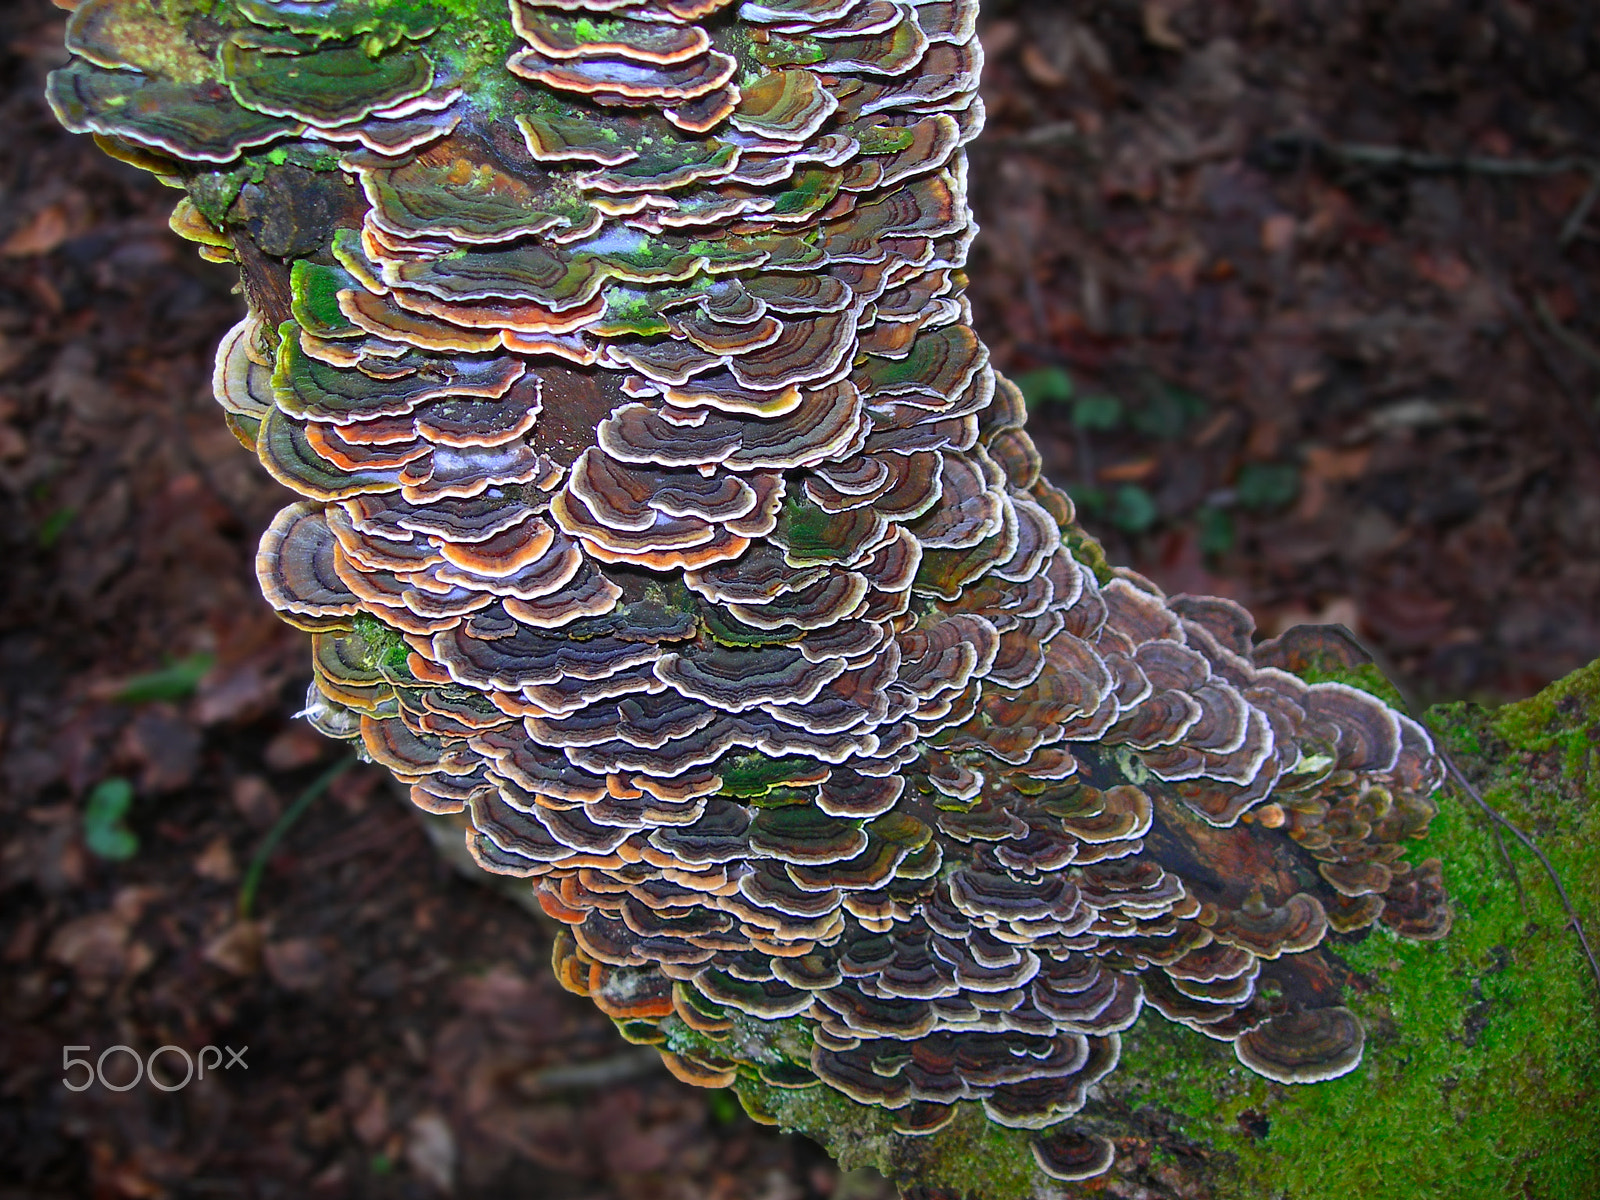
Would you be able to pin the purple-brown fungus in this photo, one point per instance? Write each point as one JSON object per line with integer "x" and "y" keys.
{"x": 662, "y": 518}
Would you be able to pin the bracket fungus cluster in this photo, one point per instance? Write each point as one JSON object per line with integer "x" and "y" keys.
{"x": 661, "y": 514}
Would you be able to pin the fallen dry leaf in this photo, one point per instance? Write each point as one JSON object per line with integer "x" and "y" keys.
{"x": 131, "y": 901}
{"x": 237, "y": 949}
{"x": 297, "y": 746}
{"x": 40, "y": 234}
{"x": 234, "y": 694}
{"x": 95, "y": 947}
{"x": 165, "y": 746}
{"x": 431, "y": 1150}
{"x": 1136, "y": 471}
{"x": 255, "y": 801}
{"x": 1040, "y": 69}
{"x": 371, "y": 1123}
{"x": 1323, "y": 467}
{"x": 1157, "y": 19}
{"x": 1445, "y": 270}
{"x": 296, "y": 964}
{"x": 216, "y": 861}
{"x": 1278, "y": 233}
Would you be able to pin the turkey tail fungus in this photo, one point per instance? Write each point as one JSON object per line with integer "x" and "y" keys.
{"x": 662, "y": 515}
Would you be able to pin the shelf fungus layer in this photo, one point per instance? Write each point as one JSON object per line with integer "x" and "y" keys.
{"x": 662, "y": 516}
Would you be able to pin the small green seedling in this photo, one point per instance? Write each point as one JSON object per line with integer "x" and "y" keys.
{"x": 105, "y": 830}
{"x": 1048, "y": 385}
{"x": 175, "y": 681}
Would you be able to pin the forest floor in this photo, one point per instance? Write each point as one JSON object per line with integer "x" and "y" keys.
{"x": 1302, "y": 293}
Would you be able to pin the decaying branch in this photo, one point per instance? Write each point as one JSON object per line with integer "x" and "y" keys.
{"x": 663, "y": 517}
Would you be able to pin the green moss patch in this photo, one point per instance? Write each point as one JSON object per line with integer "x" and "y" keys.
{"x": 1482, "y": 1071}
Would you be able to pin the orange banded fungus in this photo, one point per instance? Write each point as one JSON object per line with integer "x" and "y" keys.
{"x": 662, "y": 513}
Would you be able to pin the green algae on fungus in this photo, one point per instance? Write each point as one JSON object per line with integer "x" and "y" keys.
{"x": 972, "y": 1157}
{"x": 178, "y": 119}
{"x": 387, "y": 21}
{"x": 330, "y": 87}
{"x": 131, "y": 34}
{"x": 902, "y": 811}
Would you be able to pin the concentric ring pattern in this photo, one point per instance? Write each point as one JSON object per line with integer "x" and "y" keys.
{"x": 662, "y": 514}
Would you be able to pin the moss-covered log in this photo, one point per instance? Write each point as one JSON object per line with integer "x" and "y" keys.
{"x": 662, "y": 516}
{"x": 1482, "y": 1074}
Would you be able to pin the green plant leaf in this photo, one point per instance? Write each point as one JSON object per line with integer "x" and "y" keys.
{"x": 53, "y": 526}
{"x": 1133, "y": 510}
{"x": 105, "y": 831}
{"x": 1049, "y": 385}
{"x": 1167, "y": 413}
{"x": 1090, "y": 500}
{"x": 174, "y": 681}
{"x": 1216, "y": 530}
{"x": 258, "y": 861}
{"x": 1266, "y": 486}
{"x": 1097, "y": 412}
{"x": 724, "y": 1106}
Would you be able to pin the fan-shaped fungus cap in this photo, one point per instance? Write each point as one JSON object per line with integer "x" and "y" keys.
{"x": 1064, "y": 1153}
{"x": 1304, "y": 1047}
{"x": 296, "y": 565}
{"x": 184, "y": 121}
{"x": 1415, "y": 906}
{"x": 1297, "y": 925}
{"x": 332, "y": 86}
{"x": 661, "y": 512}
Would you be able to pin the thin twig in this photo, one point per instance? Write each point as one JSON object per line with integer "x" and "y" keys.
{"x": 1510, "y": 866}
{"x": 1577, "y": 343}
{"x": 1465, "y": 164}
{"x": 1052, "y": 133}
{"x": 1574, "y": 921}
{"x": 280, "y": 827}
{"x": 1368, "y": 155}
{"x": 602, "y": 1073}
{"x": 1579, "y": 216}
{"x": 1465, "y": 785}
